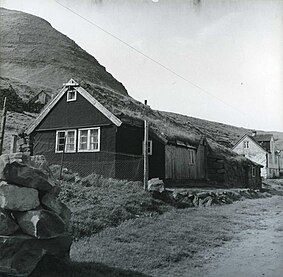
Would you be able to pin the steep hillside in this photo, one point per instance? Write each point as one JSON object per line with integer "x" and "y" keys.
{"x": 34, "y": 56}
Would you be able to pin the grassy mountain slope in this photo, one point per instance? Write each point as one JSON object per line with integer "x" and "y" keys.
{"x": 34, "y": 57}
{"x": 34, "y": 54}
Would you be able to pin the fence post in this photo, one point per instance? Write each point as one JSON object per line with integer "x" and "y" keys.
{"x": 145, "y": 156}
{"x": 2, "y": 125}
{"x": 62, "y": 159}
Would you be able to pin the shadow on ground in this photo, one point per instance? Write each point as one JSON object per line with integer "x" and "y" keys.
{"x": 54, "y": 268}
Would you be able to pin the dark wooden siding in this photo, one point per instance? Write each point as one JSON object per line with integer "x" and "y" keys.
{"x": 177, "y": 164}
{"x": 201, "y": 161}
{"x": 74, "y": 114}
{"x": 102, "y": 162}
{"x": 157, "y": 160}
{"x": 129, "y": 160}
{"x": 265, "y": 145}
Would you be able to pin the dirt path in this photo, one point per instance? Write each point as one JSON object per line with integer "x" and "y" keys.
{"x": 242, "y": 239}
{"x": 258, "y": 252}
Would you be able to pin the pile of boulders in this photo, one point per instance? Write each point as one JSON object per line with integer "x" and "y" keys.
{"x": 185, "y": 198}
{"x": 33, "y": 222}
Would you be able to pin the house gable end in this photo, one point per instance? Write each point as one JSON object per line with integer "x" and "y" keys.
{"x": 252, "y": 144}
{"x": 85, "y": 111}
{"x": 239, "y": 141}
{"x": 259, "y": 147}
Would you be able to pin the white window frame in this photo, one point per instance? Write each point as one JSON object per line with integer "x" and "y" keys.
{"x": 65, "y": 136}
{"x": 246, "y": 144}
{"x": 88, "y": 140}
{"x": 68, "y": 95}
{"x": 149, "y": 147}
{"x": 192, "y": 157}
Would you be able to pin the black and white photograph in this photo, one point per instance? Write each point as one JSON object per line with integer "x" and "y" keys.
{"x": 141, "y": 138}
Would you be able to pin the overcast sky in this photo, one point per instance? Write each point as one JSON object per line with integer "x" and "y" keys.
{"x": 223, "y": 58}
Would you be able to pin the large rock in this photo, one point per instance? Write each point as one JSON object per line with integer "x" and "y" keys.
{"x": 156, "y": 184}
{"x": 7, "y": 224}
{"x": 177, "y": 195}
{"x": 203, "y": 194}
{"x": 51, "y": 202}
{"x": 20, "y": 254}
{"x": 41, "y": 224}
{"x": 40, "y": 162}
{"x": 26, "y": 171}
{"x": 17, "y": 198}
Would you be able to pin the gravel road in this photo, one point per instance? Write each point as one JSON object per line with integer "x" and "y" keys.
{"x": 256, "y": 252}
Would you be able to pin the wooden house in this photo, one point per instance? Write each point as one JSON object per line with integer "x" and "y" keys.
{"x": 37, "y": 102}
{"x": 260, "y": 149}
{"x": 77, "y": 131}
{"x": 42, "y": 97}
{"x": 74, "y": 128}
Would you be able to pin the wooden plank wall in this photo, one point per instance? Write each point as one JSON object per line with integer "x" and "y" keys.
{"x": 177, "y": 163}
{"x": 201, "y": 162}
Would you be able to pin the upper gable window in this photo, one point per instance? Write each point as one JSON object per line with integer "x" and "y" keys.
{"x": 71, "y": 95}
{"x": 246, "y": 144}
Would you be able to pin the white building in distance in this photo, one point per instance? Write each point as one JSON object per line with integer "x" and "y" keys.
{"x": 260, "y": 149}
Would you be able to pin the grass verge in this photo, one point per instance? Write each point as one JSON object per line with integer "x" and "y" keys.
{"x": 175, "y": 242}
{"x": 97, "y": 203}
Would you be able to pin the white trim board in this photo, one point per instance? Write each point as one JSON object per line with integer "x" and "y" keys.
{"x": 99, "y": 106}
{"x": 47, "y": 109}
{"x": 86, "y": 95}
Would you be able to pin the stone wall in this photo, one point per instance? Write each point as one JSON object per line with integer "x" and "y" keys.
{"x": 232, "y": 172}
{"x": 33, "y": 221}
{"x": 216, "y": 169}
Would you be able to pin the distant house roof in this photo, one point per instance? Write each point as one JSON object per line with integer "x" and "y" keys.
{"x": 49, "y": 93}
{"x": 250, "y": 137}
{"x": 263, "y": 137}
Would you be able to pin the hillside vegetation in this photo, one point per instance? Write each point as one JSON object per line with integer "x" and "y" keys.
{"x": 36, "y": 57}
{"x": 224, "y": 134}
